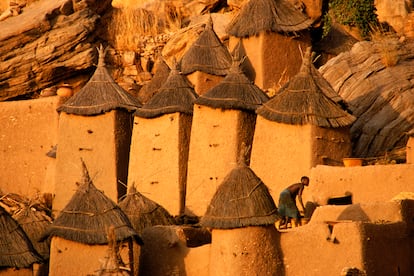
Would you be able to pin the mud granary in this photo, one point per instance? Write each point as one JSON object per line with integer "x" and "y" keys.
{"x": 205, "y": 169}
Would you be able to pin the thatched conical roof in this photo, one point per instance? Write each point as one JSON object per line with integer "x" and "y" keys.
{"x": 100, "y": 94}
{"x": 239, "y": 53}
{"x": 176, "y": 95}
{"x": 241, "y": 200}
{"x": 207, "y": 54}
{"x": 258, "y": 16}
{"x": 16, "y": 250}
{"x": 304, "y": 100}
{"x": 235, "y": 91}
{"x": 88, "y": 216}
{"x": 143, "y": 212}
{"x": 34, "y": 223}
{"x": 161, "y": 73}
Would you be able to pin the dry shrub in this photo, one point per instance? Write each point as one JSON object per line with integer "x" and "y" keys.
{"x": 129, "y": 26}
{"x": 388, "y": 46}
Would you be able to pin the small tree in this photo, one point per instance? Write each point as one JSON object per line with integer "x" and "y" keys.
{"x": 353, "y": 13}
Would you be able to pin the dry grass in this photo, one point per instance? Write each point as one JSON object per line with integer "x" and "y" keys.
{"x": 388, "y": 46}
{"x": 129, "y": 26}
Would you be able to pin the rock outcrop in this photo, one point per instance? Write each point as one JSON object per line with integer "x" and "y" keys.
{"x": 47, "y": 44}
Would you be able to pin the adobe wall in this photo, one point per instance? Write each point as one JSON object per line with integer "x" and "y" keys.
{"x": 28, "y": 131}
{"x": 246, "y": 251}
{"x": 307, "y": 250}
{"x": 280, "y": 160}
{"x": 154, "y": 160}
{"x": 202, "y": 82}
{"x": 331, "y": 145}
{"x": 73, "y": 258}
{"x": 16, "y": 272}
{"x": 213, "y": 153}
{"x": 165, "y": 253}
{"x": 275, "y": 58}
{"x": 92, "y": 138}
{"x": 372, "y": 237}
{"x": 366, "y": 183}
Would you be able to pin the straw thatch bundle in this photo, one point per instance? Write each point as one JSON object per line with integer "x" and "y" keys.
{"x": 304, "y": 100}
{"x": 16, "y": 250}
{"x": 257, "y": 16}
{"x": 239, "y": 53}
{"x": 113, "y": 264}
{"x": 375, "y": 79}
{"x": 235, "y": 91}
{"x": 161, "y": 73}
{"x": 241, "y": 200}
{"x": 207, "y": 54}
{"x": 88, "y": 216}
{"x": 34, "y": 223}
{"x": 100, "y": 94}
{"x": 143, "y": 212}
{"x": 176, "y": 95}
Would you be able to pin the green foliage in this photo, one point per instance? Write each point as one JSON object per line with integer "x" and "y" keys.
{"x": 353, "y": 13}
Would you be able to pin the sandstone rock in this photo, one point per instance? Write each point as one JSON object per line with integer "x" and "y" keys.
{"x": 43, "y": 47}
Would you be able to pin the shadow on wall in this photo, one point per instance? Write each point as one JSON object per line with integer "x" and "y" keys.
{"x": 354, "y": 212}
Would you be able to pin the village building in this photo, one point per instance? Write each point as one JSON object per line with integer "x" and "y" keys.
{"x": 17, "y": 254}
{"x": 223, "y": 122}
{"x": 142, "y": 212}
{"x": 34, "y": 221}
{"x": 79, "y": 235}
{"x": 207, "y": 61}
{"x": 241, "y": 216}
{"x": 161, "y": 73}
{"x": 95, "y": 124}
{"x": 160, "y": 144}
{"x": 298, "y": 128}
{"x": 358, "y": 239}
{"x": 274, "y": 34}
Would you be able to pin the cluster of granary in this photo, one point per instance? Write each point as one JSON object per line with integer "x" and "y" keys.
{"x": 209, "y": 144}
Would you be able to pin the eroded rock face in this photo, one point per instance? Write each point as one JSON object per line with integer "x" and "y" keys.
{"x": 46, "y": 44}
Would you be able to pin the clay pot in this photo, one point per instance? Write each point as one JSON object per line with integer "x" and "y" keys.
{"x": 47, "y": 92}
{"x": 352, "y": 162}
{"x": 65, "y": 90}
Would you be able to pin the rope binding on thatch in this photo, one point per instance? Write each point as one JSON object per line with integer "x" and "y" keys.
{"x": 88, "y": 216}
{"x": 143, "y": 212}
{"x": 207, "y": 54}
{"x": 241, "y": 200}
{"x": 175, "y": 95}
{"x": 257, "y": 16}
{"x": 235, "y": 91}
{"x": 100, "y": 94}
{"x": 304, "y": 100}
{"x": 16, "y": 249}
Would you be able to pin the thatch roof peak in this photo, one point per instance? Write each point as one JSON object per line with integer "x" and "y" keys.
{"x": 307, "y": 99}
{"x": 100, "y": 94}
{"x": 88, "y": 216}
{"x": 101, "y": 55}
{"x": 207, "y": 54}
{"x": 175, "y": 95}
{"x": 143, "y": 212}
{"x": 34, "y": 223}
{"x": 161, "y": 73}
{"x": 241, "y": 200}
{"x": 235, "y": 91}
{"x": 16, "y": 250}
{"x": 258, "y": 16}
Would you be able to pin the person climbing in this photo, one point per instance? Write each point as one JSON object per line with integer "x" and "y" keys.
{"x": 287, "y": 203}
